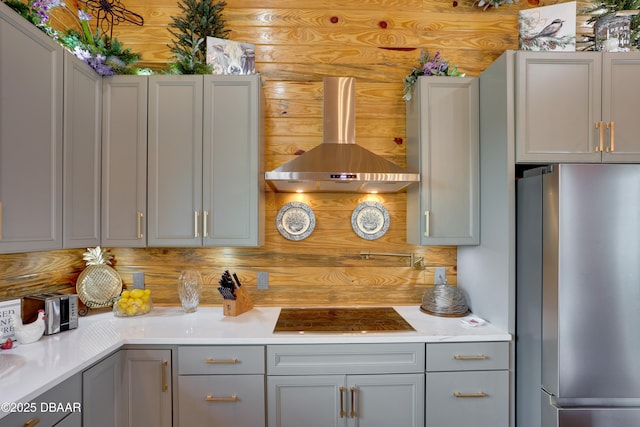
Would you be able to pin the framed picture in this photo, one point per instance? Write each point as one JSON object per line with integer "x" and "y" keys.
{"x": 7, "y": 310}
{"x": 231, "y": 57}
{"x": 548, "y": 28}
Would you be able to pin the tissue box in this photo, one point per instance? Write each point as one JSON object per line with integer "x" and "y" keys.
{"x": 230, "y": 57}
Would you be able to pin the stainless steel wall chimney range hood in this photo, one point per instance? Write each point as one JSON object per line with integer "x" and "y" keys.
{"x": 339, "y": 164}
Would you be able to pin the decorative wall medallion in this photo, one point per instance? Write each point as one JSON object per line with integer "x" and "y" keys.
{"x": 295, "y": 221}
{"x": 370, "y": 220}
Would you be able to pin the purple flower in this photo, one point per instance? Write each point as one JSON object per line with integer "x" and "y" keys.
{"x": 84, "y": 16}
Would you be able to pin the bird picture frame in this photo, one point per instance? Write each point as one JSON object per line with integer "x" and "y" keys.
{"x": 548, "y": 28}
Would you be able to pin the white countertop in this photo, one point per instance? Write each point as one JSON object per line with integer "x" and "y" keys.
{"x": 29, "y": 370}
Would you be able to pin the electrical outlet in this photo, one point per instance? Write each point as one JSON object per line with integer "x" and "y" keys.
{"x": 263, "y": 280}
{"x": 440, "y": 275}
{"x": 138, "y": 280}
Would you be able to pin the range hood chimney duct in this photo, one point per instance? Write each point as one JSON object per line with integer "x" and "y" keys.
{"x": 339, "y": 164}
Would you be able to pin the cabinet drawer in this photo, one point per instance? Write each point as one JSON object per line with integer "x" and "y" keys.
{"x": 476, "y": 356}
{"x": 193, "y": 360}
{"x": 345, "y": 359}
{"x": 221, "y": 400}
{"x": 51, "y": 406}
{"x": 479, "y": 398}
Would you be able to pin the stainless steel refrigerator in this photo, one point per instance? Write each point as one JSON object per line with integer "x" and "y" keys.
{"x": 578, "y": 296}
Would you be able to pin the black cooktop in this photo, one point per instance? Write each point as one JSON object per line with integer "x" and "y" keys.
{"x": 325, "y": 320}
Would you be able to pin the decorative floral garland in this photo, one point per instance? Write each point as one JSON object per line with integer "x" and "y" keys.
{"x": 485, "y": 4}
{"x": 429, "y": 66}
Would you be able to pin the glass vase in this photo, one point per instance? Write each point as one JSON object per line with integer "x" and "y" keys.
{"x": 190, "y": 290}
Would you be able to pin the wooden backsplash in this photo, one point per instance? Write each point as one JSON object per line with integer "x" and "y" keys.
{"x": 298, "y": 42}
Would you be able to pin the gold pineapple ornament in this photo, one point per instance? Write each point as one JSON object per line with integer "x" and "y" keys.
{"x": 99, "y": 284}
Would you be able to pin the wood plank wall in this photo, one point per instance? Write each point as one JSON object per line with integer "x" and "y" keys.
{"x": 297, "y": 43}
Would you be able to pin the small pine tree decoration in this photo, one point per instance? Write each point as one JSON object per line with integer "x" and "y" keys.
{"x": 200, "y": 19}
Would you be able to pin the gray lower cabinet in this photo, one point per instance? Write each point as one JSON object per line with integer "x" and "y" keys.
{"x": 82, "y": 156}
{"x": 59, "y": 406}
{"x": 147, "y": 388}
{"x": 221, "y": 386}
{"x": 574, "y": 107}
{"x": 467, "y": 384}
{"x": 102, "y": 393}
{"x": 443, "y": 144}
{"x": 376, "y": 385}
{"x": 131, "y": 387}
{"x": 124, "y": 161}
{"x": 30, "y": 136}
{"x": 204, "y": 161}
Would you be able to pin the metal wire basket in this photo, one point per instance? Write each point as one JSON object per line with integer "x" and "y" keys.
{"x": 444, "y": 300}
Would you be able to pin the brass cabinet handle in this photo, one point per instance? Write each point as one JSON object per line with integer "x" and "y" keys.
{"x": 427, "y": 220}
{"x": 31, "y": 422}
{"x": 140, "y": 216}
{"x": 210, "y": 361}
{"x": 165, "y": 386}
{"x": 612, "y": 137}
{"x": 232, "y": 398}
{"x": 466, "y": 395}
{"x": 600, "y": 145}
{"x": 342, "y": 413}
{"x": 471, "y": 357}
{"x": 196, "y": 217}
{"x": 353, "y": 402}
{"x": 205, "y": 231}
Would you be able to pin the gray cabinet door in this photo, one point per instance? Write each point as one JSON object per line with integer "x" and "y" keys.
{"x": 124, "y": 161}
{"x": 558, "y": 104}
{"x": 81, "y": 177}
{"x": 620, "y": 106}
{"x": 147, "y": 390}
{"x": 30, "y": 137}
{"x": 233, "y": 197}
{"x": 102, "y": 393}
{"x": 175, "y": 161}
{"x": 386, "y": 400}
{"x": 307, "y": 400}
{"x": 443, "y": 144}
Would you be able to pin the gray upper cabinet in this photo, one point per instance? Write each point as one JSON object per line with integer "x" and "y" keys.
{"x": 30, "y": 136}
{"x": 442, "y": 143}
{"x": 204, "y": 177}
{"x": 233, "y": 171}
{"x": 124, "y": 161}
{"x": 81, "y": 148}
{"x": 175, "y": 161}
{"x": 576, "y": 107}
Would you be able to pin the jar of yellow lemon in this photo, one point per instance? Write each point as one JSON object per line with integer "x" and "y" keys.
{"x": 133, "y": 303}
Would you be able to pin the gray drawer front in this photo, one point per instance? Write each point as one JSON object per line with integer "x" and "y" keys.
{"x": 195, "y": 360}
{"x": 467, "y": 399}
{"x": 221, "y": 400}
{"x": 345, "y": 359}
{"x": 476, "y": 356}
{"x": 68, "y": 394}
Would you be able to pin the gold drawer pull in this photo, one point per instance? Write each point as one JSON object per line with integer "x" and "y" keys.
{"x": 210, "y": 361}
{"x": 464, "y": 395}
{"x": 165, "y": 386}
{"x": 342, "y": 412}
{"x": 211, "y": 398}
{"x": 31, "y": 422}
{"x": 475, "y": 357}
